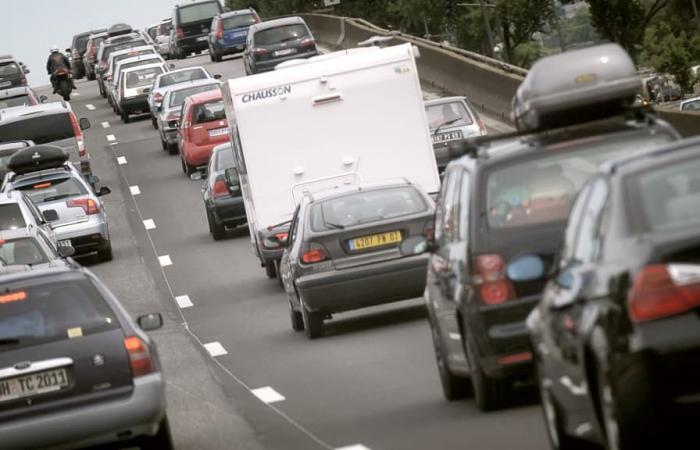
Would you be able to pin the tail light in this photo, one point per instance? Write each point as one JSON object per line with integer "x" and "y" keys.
{"x": 220, "y": 29}
{"x": 314, "y": 253}
{"x": 158, "y": 98}
{"x": 662, "y": 290}
{"x": 139, "y": 356}
{"x": 220, "y": 188}
{"x": 308, "y": 42}
{"x": 186, "y": 129}
{"x": 260, "y": 51}
{"x": 489, "y": 275}
{"x": 78, "y": 135}
{"x": 482, "y": 127}
{"x": 23, "y": 80}
{"x": 180, "y": 32}
{"x": 257, "y": 18}
{"x": 89, "y": 205}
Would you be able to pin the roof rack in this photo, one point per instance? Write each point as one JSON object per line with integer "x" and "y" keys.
{"x": 39, "y": 157}
{"x": 119, "y": 29}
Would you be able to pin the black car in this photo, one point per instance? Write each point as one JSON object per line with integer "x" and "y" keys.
{"x": 77, "y": 51}
{"x": 616, "y": 335}
{"x": 221, "y": 191}
{"x": 90, "y": 55}
{"x": 75, "y": 370}
{"x": 12, "y": 72}
{"x": 499, "y": 203}
{"x": 275, "y": 41}
{"x": 190, "y": 26}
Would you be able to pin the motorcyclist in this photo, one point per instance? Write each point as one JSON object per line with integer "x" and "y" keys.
{"x": 56, "y": 60}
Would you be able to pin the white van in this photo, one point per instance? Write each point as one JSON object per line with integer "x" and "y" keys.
{"x": 349, "y": 117}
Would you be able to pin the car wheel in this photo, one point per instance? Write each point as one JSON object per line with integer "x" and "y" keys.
{"x": 188, "y": 169}
{"x": 558, "y": 438}
{"x": 296, "y": 318}
{"x": 489, "y": 393}
{"x": 154, "y": 122}
{"x": 163, "y": 144}
{"x": 271, "y": 270}
{"x": 125, "y": 116}
{"x": 279, "y": 274}
{"x": 313, "y": 322}
{"x": 105, "y": 254}
{"x": 102, "y": 90}
{"x": 172, "y": 149}
{"x": 218, "y": 231}
{"x": 453, "y": 387}
{"x": 161, "y": 440}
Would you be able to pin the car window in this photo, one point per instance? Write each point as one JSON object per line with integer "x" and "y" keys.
{"x": 448, "y": 182}
{"x": 450, "y": 231}
{"x": 281, "y": 34}
{"x": 81, "y": 43}
{"x": 197, "y": 12}
{"x": 241, "y": 20}
{"x": 47, "y": 191}
{"x": 224, "y": 160}
{"x": 577, "y": 211}
{"x": 464, "y": 193}
{"x": 11, "y": 217}
{"x": 178, "y": 97}
{"x": 692, "y": 106}
{"x": 19, "y": 100}
{"x": 42, "y": 129}
{"x": 10, "y": 69}
{"x": 36, "y": 312}
{"x": 542, "y": 188}
{"x": 142, "y": 77}
{"x": 207, "y": 112}
{"x": 669, "y": 196}
{"x": 181, "y": 77}
{"x": 448, "y": 115}
{"x": 22, "y": 251}
{"x": 366, "y": 207}
{"x": 588, "y": 240}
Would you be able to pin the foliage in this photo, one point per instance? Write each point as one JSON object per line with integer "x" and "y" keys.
{"x": 519, "y": 20}
{"x": 672, "y": 53}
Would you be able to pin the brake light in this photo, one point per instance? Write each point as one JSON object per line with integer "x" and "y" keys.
{"x": 41, "y": 185}
{"x": 157, "y": 97}
{"x": 662, "y": 290}
{"x": 515, "y": 358}
{"x": 260, "y": 51}
{"x": 482, "y": 127}
{"x": 139, "y": 356}
{"x": 220, "y": 29}
{"x": 308, "y": 42}
{"x": 78, "y": 135}
{"x": 89, "y": 205}
{"x": 489, "y": 275}
{"x": 180, "y": 32}
{"x": 315, "y": 253}
{"x": 220, "y": 189}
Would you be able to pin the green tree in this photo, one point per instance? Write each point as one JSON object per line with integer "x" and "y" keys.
{"x": 519, "y": 20}
{"x": 671, "y": 51}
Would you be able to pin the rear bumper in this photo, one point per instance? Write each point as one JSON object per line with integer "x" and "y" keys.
{"x": 85, "y": 237}
{"x": 140, "y": 413}
{"x": 223, "y": 48}
{"x": 198, "y": 155}
{"x": 192, "y": 43}
{"x": 357, "y": 287}
{"x": 170, "y": 136}
{"x": 268, "y": 65}
{"x": 134, "y": 104}
{"x": 228, "y": 211}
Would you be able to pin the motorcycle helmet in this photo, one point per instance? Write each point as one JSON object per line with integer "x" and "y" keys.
{"x": 54, "y": 48}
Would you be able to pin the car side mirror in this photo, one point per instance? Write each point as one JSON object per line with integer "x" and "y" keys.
{"x": 50, "y": 215}
{"x": 150, "y": 322}
{"x": 84, "y": 123}
{"x": 416, "y": 245}
{"x": 43, "y": 98}
{"x": 232, "y": 177}
{"x": 525, "y": 268}
{"x": 217, "y": 76}
{"x": 104, "y": 190}
{"x": 66, "y": 251}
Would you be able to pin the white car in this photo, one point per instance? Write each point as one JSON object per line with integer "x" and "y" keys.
{"x": 127, "y": 64}
{"x": 691, "y": 104}
{"x": 167, "y": 80}
{"x": 134, "y": 85}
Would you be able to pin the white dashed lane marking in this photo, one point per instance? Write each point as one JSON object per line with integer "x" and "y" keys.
{"x": 90, "y": 107}
{"x": 135, "y": 190}
{"x": 455, "y": 336}
{"x": 183, "y": 301}
{"x": 149, "y": 224}
{"x": 121, "y": 160}
{"x": 215, "y": 349}
{"x": 165, "y": 261}
{"x": 353, "y": 447}
{"x": 105, "y": 124}
{"x": 76, "y": 94}
{"x": 111, "y": 138}
{"x": 268, "y": 395}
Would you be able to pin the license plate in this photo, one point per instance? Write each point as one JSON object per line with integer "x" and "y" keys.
{"x": 240, "y": 33}
{"x": 446, "y": 137}
{"x": 286, "y": 51}
{"x": 375, "y": 240}
{"x": 33, "y": 384}
{"x": 201, "y": 38}
{"x": 218, "y": 132}
{"x": 64, "y": 243}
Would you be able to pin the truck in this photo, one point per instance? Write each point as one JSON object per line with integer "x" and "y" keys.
{"x": 347, "y": 117}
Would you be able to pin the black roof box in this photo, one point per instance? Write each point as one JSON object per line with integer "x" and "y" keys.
{"x": 118, "y": 29}
{"x": 575, "y": 87}
{"x": 39, "y": 157}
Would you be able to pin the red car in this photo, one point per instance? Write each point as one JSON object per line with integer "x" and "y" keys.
{"x": 203, "y": 126}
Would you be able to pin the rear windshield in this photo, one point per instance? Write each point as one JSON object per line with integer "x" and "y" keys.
{"x": 116, "y": 47}
{"x": 669, "y": 196}
{"x": 280, "y": 34}
{"x": 152, "y": 32}
{"x": 177, "y": 98}
{"x": 448, "y": 115}
{"x": 224, "y": 159}
{"x": 118, "y": 58}
{"x": 181, "y": 77}
{"x": 198, "y": 12}
{"x": 21, "y": 251}
{"x": 542, "y": 189}
{"x": 366, "y": 207}
{"x": 142, "y": 77}
{"x": 11, "y": 217}
{"x": 81, "y": 43}
{"x": 143, "y": 62}
{"x": 242, "y": 20}
{"x": 208, "y": 112}
{"x": 41, "y": 130}
{"x": 9, "y": 70}
{"x": 692, "y": 106}
{"x": 35, "y": 312}
{"x": 164, "y": 28}
{"x": 43, "y": 191}
{"x": 19, "y": 100}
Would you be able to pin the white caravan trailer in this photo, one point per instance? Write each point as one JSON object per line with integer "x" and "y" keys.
{"x": 335, "y": 119}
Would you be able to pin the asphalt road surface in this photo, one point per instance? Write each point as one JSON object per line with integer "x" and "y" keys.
{"x": 238, "y": 376}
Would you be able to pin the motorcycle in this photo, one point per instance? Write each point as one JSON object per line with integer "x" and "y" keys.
{"x": 64, "y": 83}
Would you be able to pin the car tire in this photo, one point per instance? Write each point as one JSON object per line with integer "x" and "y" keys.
{"x": 271, "y": 271}
{"x": 163, "y": 144}
{"x": 154, "y": 122}
{"x": 125, "y": 116}
{"x": 218, "y": 231}
{"x": 102, "y": 90}
{"x": 161, "y": 440}
{"x": 279, "y": 275}
{"x": 489, "y": 393}
{"x": 296, "y": 318}
{"x": 188, "y": 169}
{"x": 105, "y": 254}
{"x": 558, "y": 439}
{"x": 313, "y": 322}
{"x": 172, "y": 149}
{"x": 453, "y": 387}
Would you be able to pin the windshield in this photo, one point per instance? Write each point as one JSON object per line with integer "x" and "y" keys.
{"x": 41, "y": 191}
{"x": 198, "y": 12}
{"x": 41, "y": 130}
{"x": 81, "y": 43}
{"x": 239, "y": 21}
{"x": 283, "y": 33}
{"x": 541, "y": 190}
{"x": 142, "y": 77}
{"x": 448, "y": 115}
{"x": 20, "y": 100}
{"x": 207, "y": 112}
{"x": 22, "y": 251}
{"x": 164, "y": 28}
{"x": 670, "y": 196}
{"x": 38, "y": 311}
{"x": 365, "y": 207}
{"x": 177, "y": 98}
{"x": 132, "y": 64}
{"x": 224, "y": 159}
{"x": 11, "y": 217}
{"x": 9, "y": 70}
{"x": 182, "y": 76}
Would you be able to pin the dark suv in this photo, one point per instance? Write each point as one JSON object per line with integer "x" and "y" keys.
{"x": 276, "y": 41}
{"x": 191, "y": 22}
{"x": 12, "y": 72}
{"x": 77, "y": 51}
{"x": 499, "y": 203}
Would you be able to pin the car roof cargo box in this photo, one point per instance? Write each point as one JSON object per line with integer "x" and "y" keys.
{"x": 576, "y": 87}
{"x": 39, "y": 157}
{"x": 119, "y": 29}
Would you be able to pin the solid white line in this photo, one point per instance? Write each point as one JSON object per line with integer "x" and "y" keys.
{"x": 105, "y": 124}
{"x": 135, "y": 190}
{"x": 165, "y": 261}
{"x": 353, "y": 447}
{"x": 111, "y": 138}
{"x": 90, "y": 107}
{"x": 149, "y": 224}
{"x": 183, "y": 301}
{"x": 121, "y": 160}
{"x": 267, "y": 395}
{"x": 215, "y": 349}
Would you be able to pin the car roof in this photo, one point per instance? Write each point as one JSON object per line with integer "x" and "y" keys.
{"x": 207, "y": 96}
{"x": 88, "y": 33}
{"x": 6, "y": 58}
{"x": 238, "y": 12}
{"x": 443, "y": 100}
{"x": 654, "y": 157}
{"x": 191, "y": 83}
{"x": 276, "y": 23}
{"x": 15, "y": 273}
{"x": 24, "y": 112}
{"x": 11, "y": 197}
{"x": 126, "y": 51}
{"x": 15, "y": 145}
{"x": 14, "y": 91}
{"x": 144, "y": 66}
{"x": 122, "y": 39}
{"x": 184, "y": 69}
{"x": 18, "y": 233}
{"x": 340, "y": 191}
{"x": 182, "y": 5}
{"x": 690, "y": 100}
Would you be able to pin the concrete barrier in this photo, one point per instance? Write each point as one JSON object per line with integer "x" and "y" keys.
{"x": 687, "y": 122}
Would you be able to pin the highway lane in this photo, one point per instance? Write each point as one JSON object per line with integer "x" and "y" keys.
{"x": 372, "y": 381}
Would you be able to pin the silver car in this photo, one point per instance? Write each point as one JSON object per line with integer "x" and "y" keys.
{"x": 168, "y": 80}
{"x": 31, "y": 246}
{"x": 17, "y": 212}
